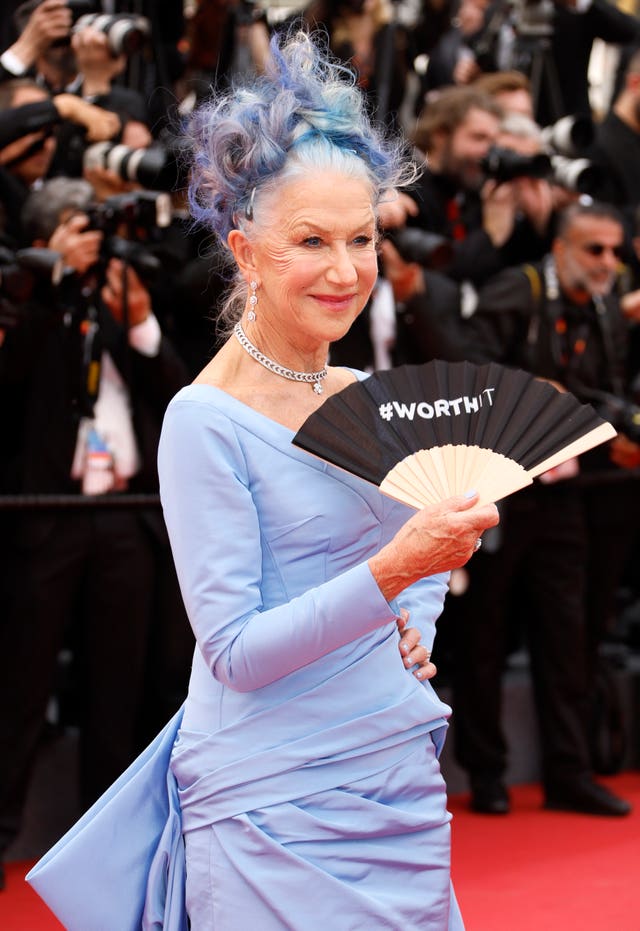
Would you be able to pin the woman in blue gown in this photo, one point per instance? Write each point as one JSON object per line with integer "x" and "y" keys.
{"x": 306, "y": 759}
{"x": 303, "y": 770}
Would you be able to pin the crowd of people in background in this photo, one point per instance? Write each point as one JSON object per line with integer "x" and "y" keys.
{"x": 519, "y": 243}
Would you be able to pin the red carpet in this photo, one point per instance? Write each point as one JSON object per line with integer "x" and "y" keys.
{"x": 531, "y": 870}
{"x": 536, "y": 870}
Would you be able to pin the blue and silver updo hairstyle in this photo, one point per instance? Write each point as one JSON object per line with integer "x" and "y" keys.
{"x": 305, "y": 114}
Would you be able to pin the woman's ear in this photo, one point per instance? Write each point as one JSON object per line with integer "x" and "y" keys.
{"x": 242, "y": 251}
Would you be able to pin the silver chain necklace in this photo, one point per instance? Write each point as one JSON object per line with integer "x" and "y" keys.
{"x": 314, "y": 378}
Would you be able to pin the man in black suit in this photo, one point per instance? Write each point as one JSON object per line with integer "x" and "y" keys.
{"x": 93, "y": 373}
{"x": 575, "y": 25}
{"x": 559, "y": 553}
{"x": 617, "y": 143}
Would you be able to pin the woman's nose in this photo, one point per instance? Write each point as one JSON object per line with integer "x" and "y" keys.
{"x": 342, "y": 267}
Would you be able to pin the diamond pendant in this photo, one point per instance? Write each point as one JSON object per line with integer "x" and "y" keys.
{"x": 317, "y": 388}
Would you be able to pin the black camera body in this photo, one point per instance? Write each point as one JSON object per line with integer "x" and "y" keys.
{"x": 503, "y": 165}
{"x": 131, "y": 224}
{"x": 579, "y": 175}
{"x": 137, "y": 210}
{"x": 621, "y": 413}
{"x": 429, "y": 250}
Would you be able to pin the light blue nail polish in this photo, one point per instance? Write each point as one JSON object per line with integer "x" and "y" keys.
{"x": 470, "y": 494}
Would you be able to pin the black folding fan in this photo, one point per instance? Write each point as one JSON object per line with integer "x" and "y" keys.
{"x": 425, "y": 432}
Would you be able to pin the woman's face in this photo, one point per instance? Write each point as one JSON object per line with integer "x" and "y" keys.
{"x": 315, "y": 256}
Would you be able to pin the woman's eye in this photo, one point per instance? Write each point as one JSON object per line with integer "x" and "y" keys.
{"x": 362, "y": 240}
{"x": 312, "y": 241}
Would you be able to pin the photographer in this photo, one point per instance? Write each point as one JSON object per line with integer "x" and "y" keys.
{"x": 27, "y": 159}
{"x": 43, "y": 26}
{"x": 491, "y": 213}
{"x": 452, "y": 60}
{"x": 226, "y": 39}
{"x": 559, "y": 319}
{"x": 617, "y": 144}
{"x": 97, "y": 68}
{"x": 95, "y": 373}
{"x": 83, "y": 55}
{"x": 551, "y": 42}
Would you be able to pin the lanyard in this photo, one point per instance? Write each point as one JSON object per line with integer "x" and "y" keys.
{"x": 91, "y": 359}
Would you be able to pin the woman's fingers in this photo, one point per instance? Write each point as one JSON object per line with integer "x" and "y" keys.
{"x": 425, "y": 671}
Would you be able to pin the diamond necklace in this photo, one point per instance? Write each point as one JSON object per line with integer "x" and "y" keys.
{"x": 275, "y": 367}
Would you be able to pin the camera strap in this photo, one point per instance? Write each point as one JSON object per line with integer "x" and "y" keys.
{"x": 567, "y": 348}
{"x": 91, "y": 359}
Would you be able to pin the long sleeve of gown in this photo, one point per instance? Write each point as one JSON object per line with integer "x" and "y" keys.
{"x": 217, "y": 542}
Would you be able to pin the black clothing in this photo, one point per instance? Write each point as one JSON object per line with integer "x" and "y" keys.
{"x": 617, "y": 149}
{"x": 30, "y": 118}
{"x": 446, "y": 209}
{"x": 127, "y": 103}
{"x": 514, "y": 323}
{"x": 537, "y": 576}
{"x": 429, "y": 325}
{"x": 13, "y": 195}
{"x": 383, "y": 80}
{"x": 572, "y": 40}
{"x": 443, "y": 60}
{"x": 97, "y": 565}
{"x": 553, "y": 550}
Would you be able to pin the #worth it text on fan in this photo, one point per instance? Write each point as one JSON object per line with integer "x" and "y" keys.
{"x": 442, "y": 407}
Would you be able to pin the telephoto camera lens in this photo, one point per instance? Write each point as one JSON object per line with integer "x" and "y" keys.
{"x": 125, "y": 33}
{"x": 153, "y": 167}
{"x": 579, "y": 175}
{"x": 570, "y": 135}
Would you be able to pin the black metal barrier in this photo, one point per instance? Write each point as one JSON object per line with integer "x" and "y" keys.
{"x": 45, "y": 502}
{"x": 114, "y": 500}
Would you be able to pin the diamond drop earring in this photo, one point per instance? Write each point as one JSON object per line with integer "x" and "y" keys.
{"x": 253, "y": 301}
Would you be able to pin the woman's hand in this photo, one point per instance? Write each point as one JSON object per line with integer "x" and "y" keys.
{"x": 412, "y": 652}
{"x": 437, "y": 538}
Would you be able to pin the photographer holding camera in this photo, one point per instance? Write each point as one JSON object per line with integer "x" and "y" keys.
{"x": 550, "y": 41}
{"x": 28, "y": 116}
{"x": 462, "y": 197}
{"x": 431, "y": 305}
{"x": 94, "y": 373}
{"x": 561, "y": 320}
{"x": 617, "y": 144}
{"x": 42, "y": 26}
{"x": 68, "y": 50}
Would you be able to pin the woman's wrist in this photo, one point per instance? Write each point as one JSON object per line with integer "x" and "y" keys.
{"x": 391, "y": 576}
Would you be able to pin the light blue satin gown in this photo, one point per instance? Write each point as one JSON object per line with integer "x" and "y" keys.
{"x": 306, "y": 760}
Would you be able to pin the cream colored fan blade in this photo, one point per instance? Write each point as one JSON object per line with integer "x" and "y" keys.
{"x": 401, "y": 483}
{"x": 499, "y": 478}
{"x": 493, "y": 475}
{"x": 404, "y": 497}
{"x": 593, "y": 438}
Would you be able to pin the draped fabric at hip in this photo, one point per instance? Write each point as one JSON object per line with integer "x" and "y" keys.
{"x": 302, "y": 746}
